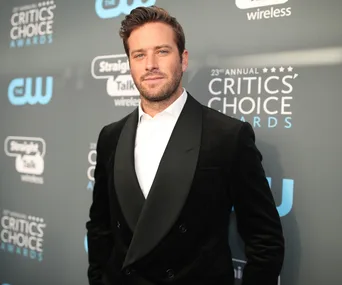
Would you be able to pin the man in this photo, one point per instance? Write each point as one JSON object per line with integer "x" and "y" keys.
{"x": 168, "y": 175}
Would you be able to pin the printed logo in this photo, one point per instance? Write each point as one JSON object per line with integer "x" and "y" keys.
{"x": 115, "y": 69}
{"x": 286, "y": 198}
{"x": 239, "y": 265}
{"x": 21, "y": 91}
{"x": 261, "y": 96}
{"x": 246, "y": 4}
{"x": 22, "y": 235}
{"x": 29, "y": 157}
{"x": 92, "y": 162}
{"x": 32, "y": 24}
{"x": 260, "y": 14}
{"x": 113, "y": 8}
{"x": 85, "y": 243}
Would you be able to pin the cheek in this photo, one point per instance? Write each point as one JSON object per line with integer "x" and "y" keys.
{"x": 170, "y": 69}
{"x": 136, "y": 73}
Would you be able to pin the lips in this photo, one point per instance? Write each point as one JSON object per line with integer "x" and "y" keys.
{"x": 153, "y": 78}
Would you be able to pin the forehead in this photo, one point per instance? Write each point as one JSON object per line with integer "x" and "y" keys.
{"x": 150, "y": 35}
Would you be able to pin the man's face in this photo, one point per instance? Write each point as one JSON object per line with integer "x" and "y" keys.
{"x": 156, "y": 66}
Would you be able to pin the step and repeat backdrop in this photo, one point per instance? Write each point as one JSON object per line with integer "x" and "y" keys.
{"x": 63, "y": 75}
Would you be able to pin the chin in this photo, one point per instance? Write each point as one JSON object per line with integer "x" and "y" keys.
{"x": 156, "y": 97}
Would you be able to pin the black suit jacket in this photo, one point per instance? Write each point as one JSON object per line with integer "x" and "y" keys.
{"x": 179, "y": 234}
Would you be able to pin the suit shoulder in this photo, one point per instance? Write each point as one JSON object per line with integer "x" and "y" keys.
{"x": 223, "y": 121}
{"x": 113, "y": 130}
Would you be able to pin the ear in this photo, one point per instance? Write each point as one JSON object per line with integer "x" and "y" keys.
{"x": 185, "y": 60}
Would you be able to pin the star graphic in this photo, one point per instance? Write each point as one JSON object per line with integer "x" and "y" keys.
{"x": 265, "y": 70}
{"x": 290, "y": 68}
{"x": 281, "y": 69}
{"x": 273, "y": 69}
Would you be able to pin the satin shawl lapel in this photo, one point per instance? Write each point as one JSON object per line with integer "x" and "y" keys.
{"x": 170, "y": 187}
{"x": 130, "y": 196}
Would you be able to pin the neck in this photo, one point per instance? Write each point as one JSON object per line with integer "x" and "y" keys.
{"x": 153, "y": 108}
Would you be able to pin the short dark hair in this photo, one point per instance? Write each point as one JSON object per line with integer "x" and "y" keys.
{"x": 142, "y": 15}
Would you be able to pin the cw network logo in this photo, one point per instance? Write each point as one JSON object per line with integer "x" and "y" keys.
{"x": 21, "y": 91}
{"x": 106, "y": 9}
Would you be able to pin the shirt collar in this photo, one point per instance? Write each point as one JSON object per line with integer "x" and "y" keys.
{"x": 174, "y": 109}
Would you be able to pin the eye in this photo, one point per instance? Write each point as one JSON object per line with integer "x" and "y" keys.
{"x": 138, "y": 55}
{"x": 163, "y": 51}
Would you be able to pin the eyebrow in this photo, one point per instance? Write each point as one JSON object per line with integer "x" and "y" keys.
{"x": 155, "y": 48}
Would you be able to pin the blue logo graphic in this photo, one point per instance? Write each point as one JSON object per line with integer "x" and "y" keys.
{"x": 86, "y": 243}
{"x": 20, "y": 91}
{"x": 287, "y": 196}
{"x": 112, "y": 8}
{"x": 90, "y": 186}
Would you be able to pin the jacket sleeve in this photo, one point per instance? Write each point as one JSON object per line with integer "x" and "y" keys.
{"x": 258, "y": 221}
{"x": 100, "y": 239}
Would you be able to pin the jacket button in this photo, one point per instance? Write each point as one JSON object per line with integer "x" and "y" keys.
{"x": 182, "y": 228}
{"x": 170, "y": 273}
{"x": 118, "y": 225}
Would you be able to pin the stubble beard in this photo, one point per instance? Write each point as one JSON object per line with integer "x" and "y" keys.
{"x": 166, "y": 91}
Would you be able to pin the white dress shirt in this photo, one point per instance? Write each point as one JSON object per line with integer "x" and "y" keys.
{"x": 151, "y": 139}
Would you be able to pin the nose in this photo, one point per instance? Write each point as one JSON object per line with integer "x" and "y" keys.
{"x": 151, "y": 62}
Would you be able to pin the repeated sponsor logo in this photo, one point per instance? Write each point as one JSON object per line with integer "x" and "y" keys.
{"x": 29, "y": 155}
{"x": 264, "y": 9}
{"x": 22, "y": 234}
{"x": 91, "y": 166}
{"x": 261, "y": 96}
{"x": 32, "y": 24}
{"x": 115, "y": 70}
